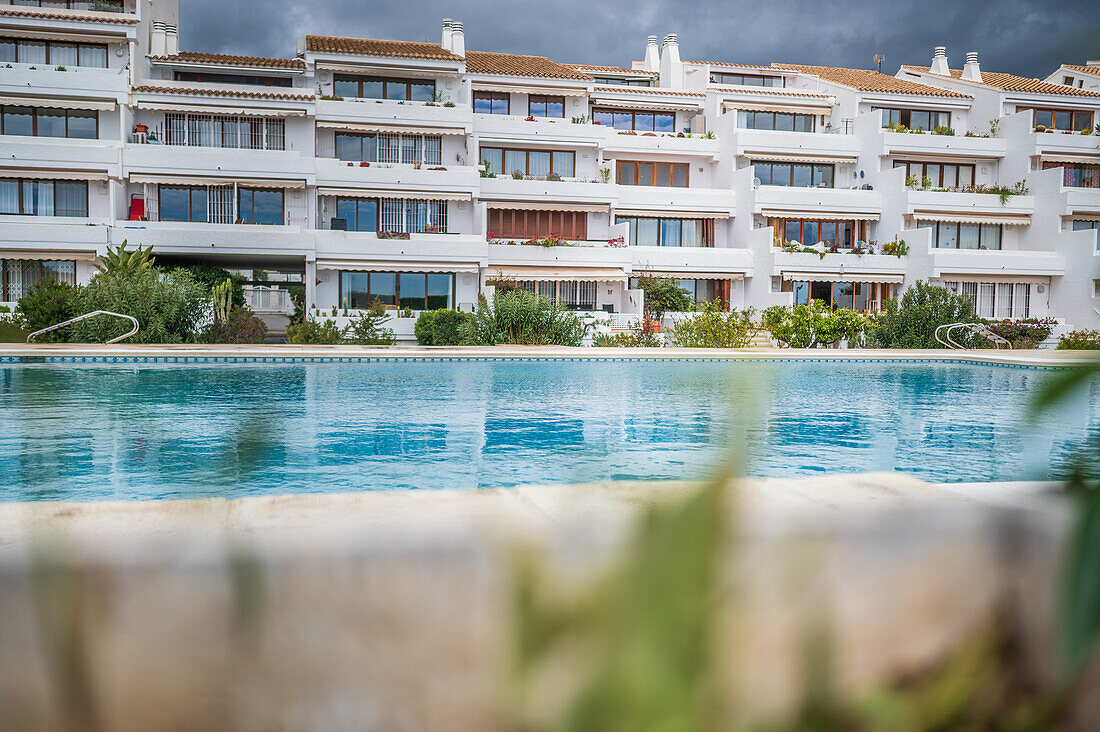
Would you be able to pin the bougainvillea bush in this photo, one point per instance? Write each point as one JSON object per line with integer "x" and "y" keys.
{"x": 242, "y": 326}
{"x": 1023, "y": 333}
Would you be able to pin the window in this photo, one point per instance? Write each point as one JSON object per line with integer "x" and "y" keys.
{"x": 491, "y": 103}
{"x": 952, "y": 235}
{"x": 782, "y": 121}
{"x": 674, "y": 175}
{"x": 915, "y": 119}
{"x": 260, "y": 206}
{"x": 415, "y": 290}
{"x": 938, "y": 175}
{"x": 531, "y": 163}
{"x": 404, "y": 216}
{"x": 572, "y": 294}
{"x": 44, "y": 197}
{"x": 520, "y": 224}
{"x": 226, "y": 131}
{"x": 858, "y": 296}
{"x": 1068, "y": 120}
{"x": 357, "y": 214}
{"x": 389, "y": 147}
{"x": 181, "y": 203}
{"x": 624, "y": 119}
{"x": 809, "y": 232}
{"x": 996, "y": 299}
{"x": 379, "y": 87}
{"x": 746, "y": 79}
{"x": 802, "y": 175}
{"x": 52, "y": 53}
{"x": 18, "y": 276}
{"x": 1078, "y": 175}
{"x": 647, "y": 232}
{"x": 82, "y": 124}
{"x": 543, "y": 106}
{"x": 623, "y": 81}
{"x": 251, "y": 80}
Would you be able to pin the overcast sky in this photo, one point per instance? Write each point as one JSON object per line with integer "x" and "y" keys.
{"x": 1016, "y": 36}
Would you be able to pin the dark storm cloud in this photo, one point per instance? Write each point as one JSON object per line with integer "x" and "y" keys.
{"x": 1016, "y": 36}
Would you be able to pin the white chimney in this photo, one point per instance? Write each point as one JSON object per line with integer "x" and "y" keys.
{"x": 156, "y": 38}
{"x": 672, "y": 68}
{"x": 939, "y": 62}
{"x": 972, "y": 71}
{"x": 458, "y": 40}
{"x": 446, "y": 42}
{"x": 172, "y": 40}
{"x": 652, "y": 55}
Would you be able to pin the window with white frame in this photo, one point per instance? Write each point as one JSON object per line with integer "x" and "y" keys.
{"x": 389, "y": 147}
{"x": 996, "y": 300}
{"x": 226, "y": 131}
{"x": 410, "y": 216}
{"x": 573, "y": 294}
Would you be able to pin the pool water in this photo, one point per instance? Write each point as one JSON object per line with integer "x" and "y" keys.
{"x": 105, "y": 431}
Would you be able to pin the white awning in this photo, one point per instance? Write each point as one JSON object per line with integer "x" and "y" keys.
{"x": 1085, "y": 159}
{"x": 819, "y": 215}
{"x": 551, "y": 274}
{"x": 946, "y": 276}
{"x": 215, "y": 109}
{"x": 56, "y": 103}
{"x": 972, "y": 218}
{"x": 390, "y": 193}
{"x": 786, "y": 158}
{"x": 48, "y": 255}
{"x": 359, "y": 265}
{"x": 646, "y": 105}
{"x": 544, "y": 206}
{"x": 677, "y": 213}
{"x": 184, "y": 180}
{"x": 406, "y": 129}
{"x": 384, "y": 69}
{"x": 799, "y": 107}
{"x": 1083, "y": 216}
{"x": 53, "y": 173}
{"x": 527, "y": 88}
{"x": 690, "y": 275}
{"x": 895, "y": 279}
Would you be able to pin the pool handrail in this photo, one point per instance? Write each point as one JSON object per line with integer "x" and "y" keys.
{"x": 976, "y": 328}
{"x": 85, "y": 316}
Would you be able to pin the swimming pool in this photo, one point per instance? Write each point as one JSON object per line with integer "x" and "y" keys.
{"x": 138, "y": 431}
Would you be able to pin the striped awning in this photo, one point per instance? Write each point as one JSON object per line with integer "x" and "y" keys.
{"x": 49, "y": 255}
{"x": 216, "y": 109}
{"x": 972, "y": 218}
{"x": 56, "y": 103}
{"x": 548, "y": 206}
{"x": 360, "y": 265}
{"x": 671, "y": 213}
{"x": 396, "y": 129}
{"x": 1085, "y": 159}
{"x": 390, "y": 193}
{"x": 181, "y": 180}
{"x": 645, "y": 105}
{"x": 818, "y": 215}
{"x": 772, "y": 157}
{"x": 690, "y": 275}
{"x": 552, "y": 274}
{"x": 800, "y": 107}
{"x": 795, "y": 276}
{"x": 53, "y": 173}
{"x": 1083, "y": 216}
{"x": 526, "y": 88}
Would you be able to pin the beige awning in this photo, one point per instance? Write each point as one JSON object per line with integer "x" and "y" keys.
{"x": 359, "y": 265}
{"x": 1086, "y": 159}
{"x": 551, "y": 274}
{"x": 774, "y": 158}
{"x": 548, "y": 206}
{"x": 645, "y": 105}
{"x": 972, "y": 218}
{"x": 56, "y": 103}
{"x": 48, "y": 255}
{"x": 390, "y": 193}
{"x": 53, "y": 173}
{"x": 398, "y": 129}
{"x": 692, "y": 275}
{"x": 183, "y": 180}
{"x": 525, "y": 88}
{"x": 676, "y": 213}
{"x": 895, "y": 279}
{"x": 818, "y": 215}
{"x": 383, "y": 69}
{"x": 799, "y": 107}
{"x": 215, "y": 109}
{"x": 946, "y": 276}
{"x": 1083, "y": 216}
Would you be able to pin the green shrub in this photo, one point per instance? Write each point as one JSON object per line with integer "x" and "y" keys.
{"x": 798, "y": 326}
{"x": 1079, "y": 340}
{"x": 167, "y": 305}
{"x": 1026, "y": 333}
{"x": 367, "y": 330}
{"x": 47, "y": 303}
{"x": 209, "y": 275}
{"x": 912, "y": 323}
{"x": 619, "y": 340}
{"x": 522, "y": 318}
{"x": 424, "y": 326}
{"x": 481, "y": 329}
{"x": 664, "y": 295}
{"x": 12, "y": 331}
{"x": 713, "y": 328}
{"x": 447, "y": 327}
{"x": 310, "y": 332}
{"x": 242, "y": 326}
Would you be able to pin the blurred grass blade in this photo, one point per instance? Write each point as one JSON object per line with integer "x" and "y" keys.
{"x": 1081, "y": 619}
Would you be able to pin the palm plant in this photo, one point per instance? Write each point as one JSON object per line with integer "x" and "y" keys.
{"x": 120, "y": 261}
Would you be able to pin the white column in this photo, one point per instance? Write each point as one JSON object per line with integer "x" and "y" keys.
{"x": 311, "y": 284}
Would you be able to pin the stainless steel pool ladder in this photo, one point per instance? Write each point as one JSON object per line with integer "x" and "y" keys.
{"x": 85, "y": 316}
{"x": 975, "y": 328}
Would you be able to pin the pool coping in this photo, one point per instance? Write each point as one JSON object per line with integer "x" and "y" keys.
{"x": 284, "y": 353}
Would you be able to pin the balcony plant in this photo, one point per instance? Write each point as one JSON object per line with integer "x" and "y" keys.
{"x": 553, "y": 177}
{"x": 897, "y": 248}
{"x": 529, "y": 118}
{"x": 516, "y": 175}
{"x": 605, "y": 175}
{"x": 943, "y": 130}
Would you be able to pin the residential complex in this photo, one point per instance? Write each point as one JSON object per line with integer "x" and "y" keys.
{"x": 419, "y": 173}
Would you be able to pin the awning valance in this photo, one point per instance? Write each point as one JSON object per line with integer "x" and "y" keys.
{"x": 1023, "y": 279}
{"x": 551, "y": 274}
{"x": 390, "y": 193}
{"x": 548, "y": 206}
{"x": 1083, "y": 216}
{"x": 169, "y": 180}
{"x": 775, "y": 158}
{"x": 216, "y": 109}
{"x": 383, "y": 69}
{"x": 818, "y": 215}
{"x": 895, "y": 279}
{"x": 690, "y": 275}
{"x": 965, "y": 217}
{"x": 1084, "y": 159}
{"x": 56, "y": 103}
{"x": 800, "y": 107}
{"x": 359, "y": 265}
{"x": 53, "y": 174}
{"x": 48, "y": 255}
{"x": 525, "y": 88}
{"x": 669, "y": 213}
{"x": 397, "y": 129}
{"x": 645, "y": 105}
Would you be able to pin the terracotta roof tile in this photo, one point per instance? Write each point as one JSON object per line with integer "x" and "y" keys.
{"x": 868, "y": 80}
{"x": 613, "y": 69}
{"x": 227, "y": 60}
{"x": 730, "y": 65}
{"x": 26, "y": 11}
{"x": 648, "y": 90}
{"x": 307, "y": 97}
{"x": 1009, "y": 82}
{"x": 375, "y": 47}
{"x": 1084, "y": 69}
{"x": 510, "y": 64}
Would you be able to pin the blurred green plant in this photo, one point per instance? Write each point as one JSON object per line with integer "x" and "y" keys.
{"x": 710, "y": 327}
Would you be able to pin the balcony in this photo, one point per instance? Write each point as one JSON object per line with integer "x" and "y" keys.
{"x": 1056, "y": 143}
{"x": 390, "y": 112}
{"x": 505, "y": 188}
{"x": 99, "y": 156}
{"x": 979, "y": 204}
{"x": 498, "y": 128}
{"x": 617, "y": 143}
{"x": 521, "y": 255}
{"x": 899, "y": 143}
{"x": 456, "y": 179}
{"x": 656, "y": 198}
{"x": 750, "y": 143}
{"x": 885, "y": 267}
{"x": 216, "y": 161}
{"x": 77, "y": 82}
{"x": 947, "y": 262}
{"x": 183, "y": 237}
{"x": 817, "y": 202}
{"x": 417, "y": 249}
{"x": 689, "y": 261}
{"x": 45, "y": 233}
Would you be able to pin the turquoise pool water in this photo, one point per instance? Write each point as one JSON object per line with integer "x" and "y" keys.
{"x": 103, "y": 431}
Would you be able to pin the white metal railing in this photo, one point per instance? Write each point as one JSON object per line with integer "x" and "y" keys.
{"x": 86, "y": 316}
{"x": 975, "y": 328}
{"x": 623, "y": 321}
{"x": 268, "y": 300}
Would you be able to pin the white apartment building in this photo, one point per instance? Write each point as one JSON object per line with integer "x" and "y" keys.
{"x": 419, "y": 173}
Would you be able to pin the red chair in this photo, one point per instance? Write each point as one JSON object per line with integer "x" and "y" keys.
{"x": 137, "y": 207}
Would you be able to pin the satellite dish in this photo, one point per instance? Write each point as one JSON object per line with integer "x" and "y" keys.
{"x": 755, "y": 183}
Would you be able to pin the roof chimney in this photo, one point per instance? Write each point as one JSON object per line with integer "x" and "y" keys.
{"x": 652, "y": 55}
{"x": 672, "y": 68}
{"x": 458, "y": 39}
{"x": 446, "y": 42}
{"x": 939, "y": 62}
{"x": 972, "y": 71}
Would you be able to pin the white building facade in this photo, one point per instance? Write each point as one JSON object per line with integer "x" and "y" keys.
{"x": 421, "y": 173}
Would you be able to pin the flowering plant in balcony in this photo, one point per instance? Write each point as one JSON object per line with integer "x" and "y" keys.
{"x": 529, "y": 118}
{"x": 627, "y": 132}
{"x": 448, "y": 104}
{"x": 897, "y": 248}
{"x": 364, "y": 164}
{"x": 619, "y": 242}
{"x": 943, "y": 130}
{"x": 490, "y": 237}
{"x": 553, "y": 177}
{"x": 649, "y": 134}
{"x": 437, "y": 167}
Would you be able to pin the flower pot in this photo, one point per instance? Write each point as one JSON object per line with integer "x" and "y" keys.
{"x": 141, "y": 129}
